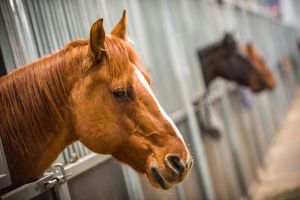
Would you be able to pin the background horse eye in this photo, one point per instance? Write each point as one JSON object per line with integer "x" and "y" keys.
{"x": 120, "y": 95}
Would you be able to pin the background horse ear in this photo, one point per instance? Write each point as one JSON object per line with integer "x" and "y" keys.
{"x": 120, "y": 29}
{"x": 97, "y": 38}
{"x": 228, "y": 37}
{"x": 229, "y": 41}
{"x": 250, "y": 48}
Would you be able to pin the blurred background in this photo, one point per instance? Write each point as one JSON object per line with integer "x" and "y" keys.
{"x": 168, "y": 34}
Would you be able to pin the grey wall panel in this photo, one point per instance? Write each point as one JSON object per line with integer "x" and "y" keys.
{"x": 102, "y": 182}
{"x": 192, "y": 185}
{"x": 49, "y": 195}
{"x": 152, "y": 193}
{"x": 164, "y": 81}
{"x": 245, "y": 154}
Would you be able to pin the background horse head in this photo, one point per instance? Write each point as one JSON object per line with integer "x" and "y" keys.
{"x": 223, "y": 59}
{"x": 97, "y": 92}
{"x": 253, "y": 54}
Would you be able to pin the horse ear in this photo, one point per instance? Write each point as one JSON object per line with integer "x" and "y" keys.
{"x": 97, "y": 38}
{"x": 229, "y": 41}
{"x": 228, "y": 37}
{"x": 250, "y": 48}
{"x": 120, "y": 29}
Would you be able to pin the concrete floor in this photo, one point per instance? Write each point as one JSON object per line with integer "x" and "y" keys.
{"x": 280, "y": 176}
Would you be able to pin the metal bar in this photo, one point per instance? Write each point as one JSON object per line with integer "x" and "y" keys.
{"x": 85, "y": 163}
{"x": 200, "y": 157}
{"x": 27, "y": 191}
{"x": 62, "y": 191}
{"x": 231, "y": 128}
{"x": 5, "y": 44}
{"x": 6, "y": 10}
{"x": 133, "y": 184}
{"x": 234, "y": 143}
{"x": 4, "y": 171}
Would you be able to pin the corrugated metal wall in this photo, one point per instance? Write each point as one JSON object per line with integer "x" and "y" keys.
{"x": 167, "y": 34}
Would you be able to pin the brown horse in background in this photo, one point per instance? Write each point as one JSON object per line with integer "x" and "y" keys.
{"x": 225, "y": 59}
{"x": 243, "y": 65}
{"x": 97, "y": 92}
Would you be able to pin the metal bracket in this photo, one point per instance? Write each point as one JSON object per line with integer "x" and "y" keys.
{"x": 58, "y": 176}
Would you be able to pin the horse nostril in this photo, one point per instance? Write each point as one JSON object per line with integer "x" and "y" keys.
{"x": 175, "y": 164}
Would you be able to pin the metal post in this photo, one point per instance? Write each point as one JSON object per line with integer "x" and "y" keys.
{"x": 62, "y": 191}
{"x": 133, "y": 184}
{"x": 132, "y": 179}
{"x": 179, "y": 63}
{"x": 5, "y": 180}
{"x": 234, "y": 142}
{"x": 231, "y": 128}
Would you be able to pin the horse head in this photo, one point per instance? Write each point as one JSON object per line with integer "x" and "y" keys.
{"x": 225, "y": 59}
{"x": 116, "y": 112}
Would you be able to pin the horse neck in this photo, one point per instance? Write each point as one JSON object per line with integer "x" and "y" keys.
{"x": 25, "y": 167}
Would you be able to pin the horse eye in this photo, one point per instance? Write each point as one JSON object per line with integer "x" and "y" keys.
{"x": 120, "y": 95}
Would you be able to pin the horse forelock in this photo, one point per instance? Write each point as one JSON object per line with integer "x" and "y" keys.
{"x": 120, "y": 55}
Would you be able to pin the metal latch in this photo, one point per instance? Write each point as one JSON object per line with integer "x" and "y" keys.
{"x": 60, "y": 177}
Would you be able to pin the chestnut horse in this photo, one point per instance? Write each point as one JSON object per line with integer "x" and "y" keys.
{"x": 97, "y": 92}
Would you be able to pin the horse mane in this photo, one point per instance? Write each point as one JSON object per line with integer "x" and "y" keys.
{"x": 32, "y": 101}
{"x": 227, "y": 42}
{"x": 34, "y": 98}
{"x": 209, "y": 49}
{"x": 120, "y": 54}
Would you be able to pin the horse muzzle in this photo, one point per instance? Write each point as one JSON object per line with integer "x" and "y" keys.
{"x": 174, "y": 173}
